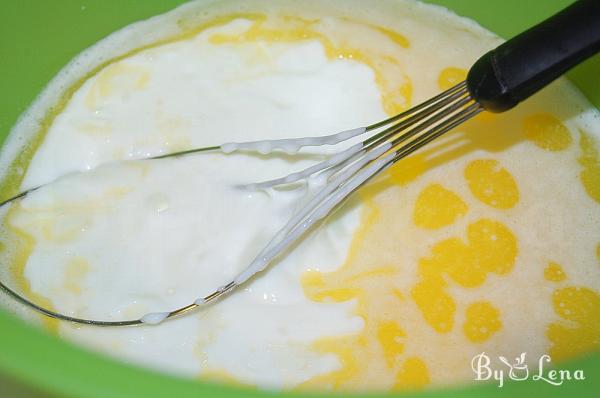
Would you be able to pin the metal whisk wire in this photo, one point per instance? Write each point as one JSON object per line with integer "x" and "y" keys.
{"x": 413, "y": 130}
{"x": 399, "y": 136}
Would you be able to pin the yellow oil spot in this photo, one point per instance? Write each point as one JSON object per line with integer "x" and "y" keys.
{"x": 547, "y": 132}
{"x": 258, "y": 32}
{"x": 317, "y": 290}
{"x": 437, "y": 207}
{"x": 312, "y": 280}
{"x": 590, "y": 160}
{"x": 394, "y": 36}
{"x": 413, "y": 375}
{"x": 116, "y": 79}
{"x": 23, "y": 244}
{"x": 397, "y": 101}
{"x": 407, "y": 170}
{"x": 398, "y": 294}
{"x": 335, "y": 295}
{"x": 554, "y": 273}
{"x": 491, "y": 248}
{"x": 450, "y": 77}
{"x": 345, "y": 376}
{"x": 579, "y": 330}
{"x": 223, "y": 377}
{"x": 75, "y": 273}
{"x": 491, "y": 183}
{"x": 391, "y": 339}
{"x": 436, "y": 305}
{"x": 482, "y": 321}
{"x": 394, "y": 84}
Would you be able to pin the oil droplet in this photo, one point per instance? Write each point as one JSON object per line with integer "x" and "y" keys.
{"x": 590, "y": 160}
{"x": 23, "y": 245}
{"x": 437, "y": 207}
{"x": 350, "y": 368}
{"x": 316, "y": 289}
{"x": 436, "y": 305}
{"x": 391, "y": 339}
{"x": 580, "y": 307}
{"x": 547, "y": 132}
{"x": 491, "y": 248}
{"x": 450, "y": 77}
{"x": 554, "y": 273}
{"x": 394, "y": 36}
{"x": 407, "y": 169}
{"x": 482, "y": 321}
{"x": 491, "y": 183}
{"x": 412, "y": 376}
{"x": 224, "y": 377}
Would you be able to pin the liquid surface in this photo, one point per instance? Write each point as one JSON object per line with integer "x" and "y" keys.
{"x": 485, "y": 241}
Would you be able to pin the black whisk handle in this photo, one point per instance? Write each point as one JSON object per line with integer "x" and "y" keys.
{"x": 531, "y": 60}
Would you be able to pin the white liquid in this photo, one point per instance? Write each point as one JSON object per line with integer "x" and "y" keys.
{"x": 154, "y": 318}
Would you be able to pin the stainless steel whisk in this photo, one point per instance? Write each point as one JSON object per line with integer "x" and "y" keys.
{"x": 497, "y": 82}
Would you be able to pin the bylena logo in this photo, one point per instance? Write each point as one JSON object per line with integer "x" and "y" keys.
{"x": 518, "y": 370}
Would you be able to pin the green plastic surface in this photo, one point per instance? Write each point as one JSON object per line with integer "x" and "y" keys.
{"x": 37, "y": 38}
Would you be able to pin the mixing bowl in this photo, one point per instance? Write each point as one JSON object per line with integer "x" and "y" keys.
{"x": 37, "y": 39}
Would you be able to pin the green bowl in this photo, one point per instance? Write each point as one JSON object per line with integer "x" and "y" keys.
{"x": 39, "y": 37}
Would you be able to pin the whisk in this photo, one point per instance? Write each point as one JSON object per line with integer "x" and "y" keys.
{"x": 497, "y": 82}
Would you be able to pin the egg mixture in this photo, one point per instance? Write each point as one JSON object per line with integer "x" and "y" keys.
{"x": 486, "y": 240}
